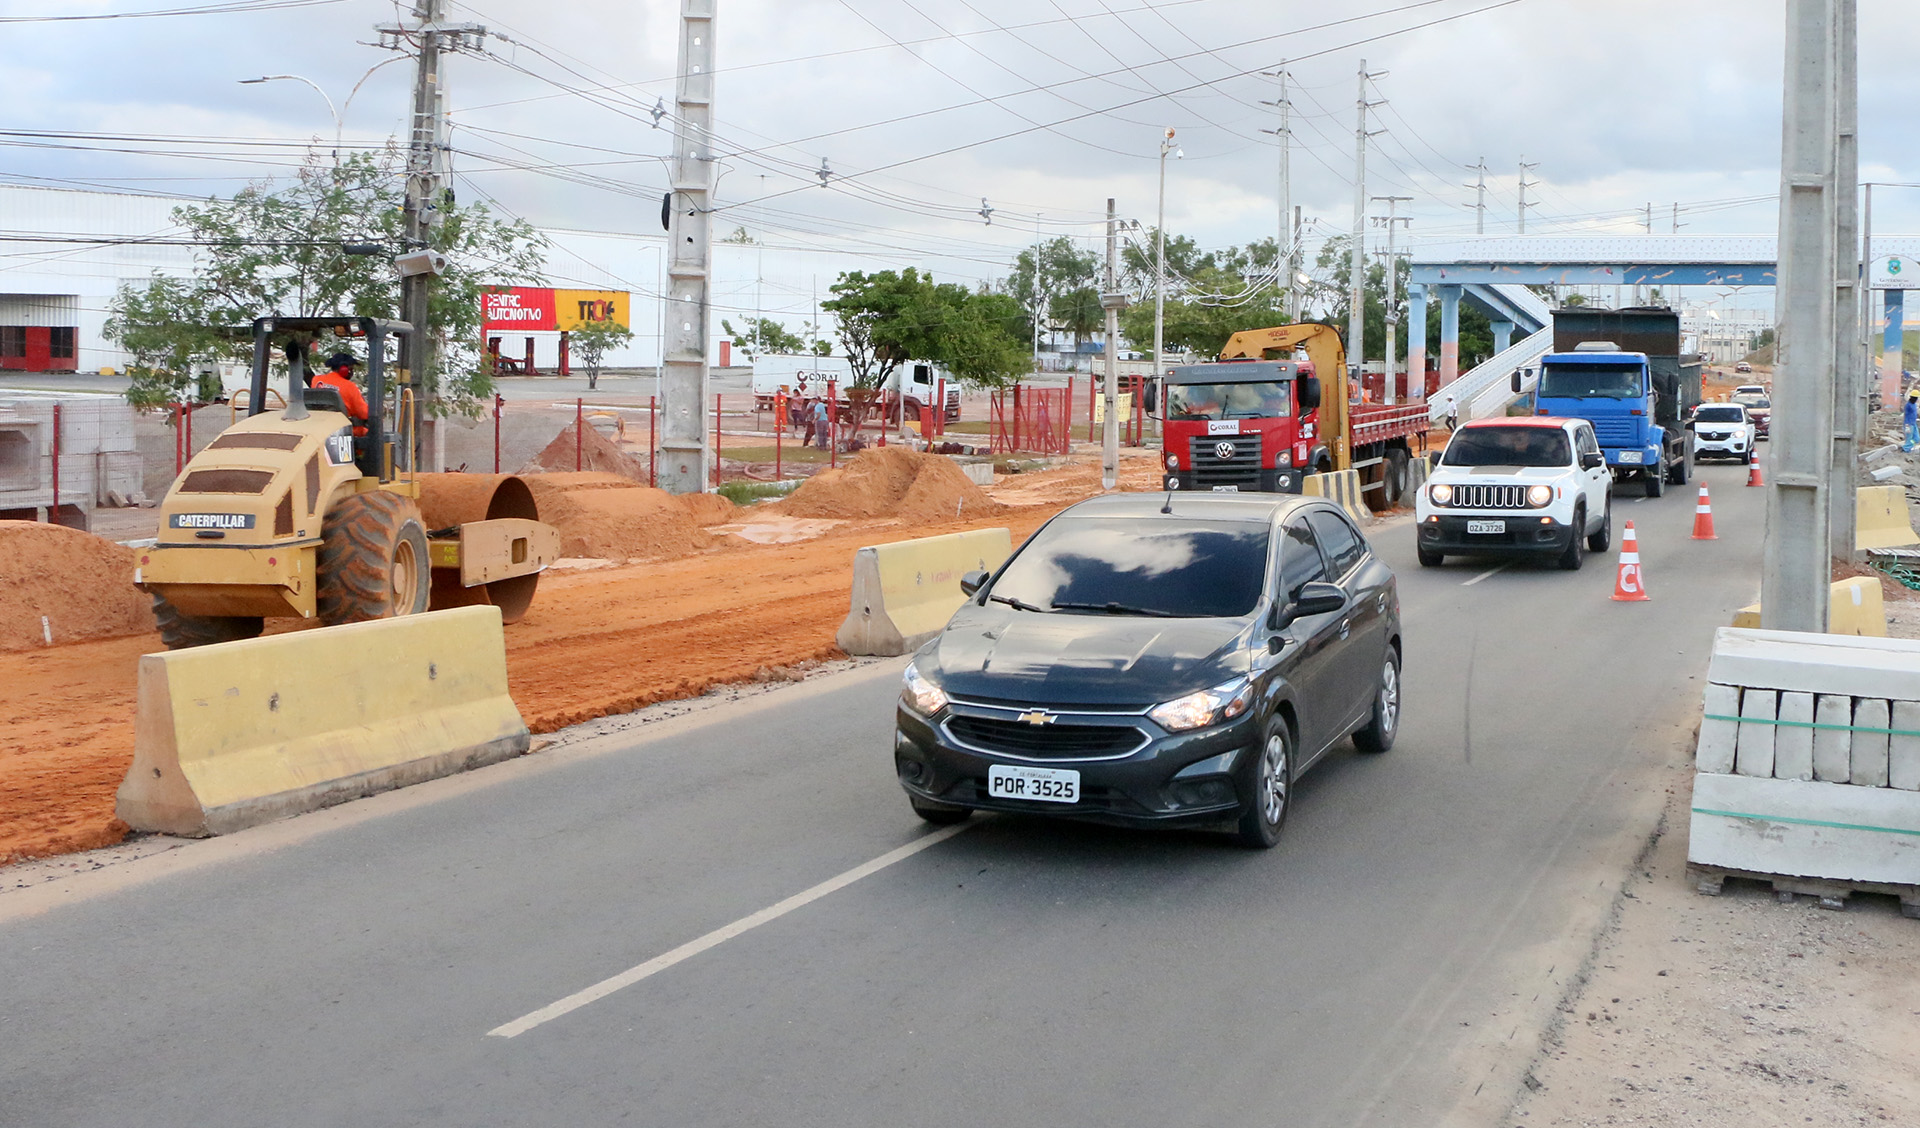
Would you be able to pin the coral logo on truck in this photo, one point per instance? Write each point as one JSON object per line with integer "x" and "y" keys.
{"x": 212, "y": 521}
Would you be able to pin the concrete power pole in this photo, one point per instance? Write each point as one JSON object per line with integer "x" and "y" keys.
{"x": 1794, "y": 561}
{"x": 1112, "y": 301}
{"x": 1391, "y": 220}
{"x": 1283, "y": 248}
{"x": 425, "y": 194}
{"x": 1357, "y": 266}
{"x": 1479, "y": 204}
{"x": 1849, "y": 373}
{"x": 683, "y": 463}
{"x": 1525, "y": 184}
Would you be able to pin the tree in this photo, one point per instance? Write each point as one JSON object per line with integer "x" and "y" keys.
{"x": 764, "y": 335}
{"x": 1044, "y": 272}
{"x": 888, "y": 318}
{"x": 282, "y": 250}
{"x": 591, "y": 343}
{"x": 1079, "y": 312}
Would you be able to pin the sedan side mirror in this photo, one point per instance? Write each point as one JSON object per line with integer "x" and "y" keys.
{"x": 1592, "y": 460}
{"x": 1315, "y": 598}
{"x": 972, "y": 582}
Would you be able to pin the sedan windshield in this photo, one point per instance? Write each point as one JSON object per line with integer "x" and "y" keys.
{"x": 1509, "y": 446}
{"x": 1228, "y": 401}
{"x": 1720, "y": 415}
{"x": 1590, "y": 381}
{"x": 1160, "y": 568}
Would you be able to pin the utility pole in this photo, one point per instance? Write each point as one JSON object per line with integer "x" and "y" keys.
{"x": 1525, "y": 184}
{"x": 1112, "y": 301}
{"x": 1160, "y": 259}
{"x": 1039, "y": 287}
{"x": 1849, "y": 374}
{"x": 1294, "y": 302}
{"x": 1357, "y": 258}
{"x": 1391, "y": 220}
{"x": 1795, "y": 566}
{"x": 1479, "y": 204}
{"x": 1283, "y": 249}
{"x": 426, "y": 190}
{"x": 684, "y": 462}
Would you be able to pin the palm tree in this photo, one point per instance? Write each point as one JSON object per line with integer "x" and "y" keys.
{"x": 1078, "y": 312}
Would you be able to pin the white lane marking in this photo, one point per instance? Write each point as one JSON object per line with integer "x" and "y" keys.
{"x": 1488, "y": 572}
{"x": 720, "y": 935}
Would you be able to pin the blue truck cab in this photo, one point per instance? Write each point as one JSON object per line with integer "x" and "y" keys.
{"x": 1622, "y": 371}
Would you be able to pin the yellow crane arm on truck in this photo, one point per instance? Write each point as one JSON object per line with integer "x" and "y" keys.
{"x": 1328, "y": 355}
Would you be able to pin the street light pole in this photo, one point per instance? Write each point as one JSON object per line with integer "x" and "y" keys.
{"x": 338, "y": 125}
{"x": 1160, "y": 257}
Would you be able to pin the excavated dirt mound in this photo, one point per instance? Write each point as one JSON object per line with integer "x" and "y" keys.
{"x": 610, "y": 517}
{"x": 82, "y": 584}
{"x": 594, "y": 453}
{"x": 892, "y": 482}
{"x": 710, "y": 509}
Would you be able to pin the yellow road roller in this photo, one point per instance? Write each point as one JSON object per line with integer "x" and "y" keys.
{"x": 302, "y": 511}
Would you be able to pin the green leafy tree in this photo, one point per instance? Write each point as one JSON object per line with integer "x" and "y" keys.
{"x": 1078, "y": 312}
{"x": 888, "y": 317}
{"x": 591, "y": 343}
{"x": 764, "y": 335}
{"x": 280, "y": 250}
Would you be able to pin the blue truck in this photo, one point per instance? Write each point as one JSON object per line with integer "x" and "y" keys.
{"x": 1622, "y": 370}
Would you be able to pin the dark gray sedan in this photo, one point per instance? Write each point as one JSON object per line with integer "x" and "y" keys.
{"x": 1149, "y": 659}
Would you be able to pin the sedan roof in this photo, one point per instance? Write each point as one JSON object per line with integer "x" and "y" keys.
{"x": 1262, "y": 507}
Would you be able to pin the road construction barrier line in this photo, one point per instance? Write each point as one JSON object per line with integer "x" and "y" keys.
{"x": 240, "y": 733}
{"x": 1342, "y": 487}
{"x": 1881, "y": 518}
{"x": 904, "y": 592}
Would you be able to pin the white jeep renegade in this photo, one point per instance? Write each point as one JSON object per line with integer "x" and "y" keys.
{"x": 1527, "y": 486}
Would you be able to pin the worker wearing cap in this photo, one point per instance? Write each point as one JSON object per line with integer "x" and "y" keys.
{"x": 340, "y": 378}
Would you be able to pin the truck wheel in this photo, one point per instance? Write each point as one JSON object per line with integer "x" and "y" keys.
{"x": 1682, "y": 470}
{"x": 1655, "y": 480}
{"x": 179, "y": 631}
{"x": 1394, "y": 480}
{"x": 1570, "y": 559}
{"x": 373, "y": 559}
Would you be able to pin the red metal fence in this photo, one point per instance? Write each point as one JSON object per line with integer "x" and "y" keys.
{"x": 1035, "y": 420}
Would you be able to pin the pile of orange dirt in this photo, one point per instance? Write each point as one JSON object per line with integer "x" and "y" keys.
{"x": 593, "y": 452}
{"x": 892, "y": 482}
{"x": 614, "y": 518}
{"x": 81, "y": 585}
{"x": 709, "y": 509}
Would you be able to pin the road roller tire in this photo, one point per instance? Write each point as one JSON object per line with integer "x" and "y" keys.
{"x": 373, "y": 559}
{"x": 180, "y": 631}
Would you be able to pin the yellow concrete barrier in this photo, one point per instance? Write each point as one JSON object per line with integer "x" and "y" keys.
{"x": 904, "y": 592}
{"x": 241, "y": 733}
{"x": 1881, "y": 520}
{"x": 1855, "y": 607}
{"x": 1342, "y": 487}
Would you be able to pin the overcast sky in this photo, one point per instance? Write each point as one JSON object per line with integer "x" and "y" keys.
{"x": 1043, "y": 107}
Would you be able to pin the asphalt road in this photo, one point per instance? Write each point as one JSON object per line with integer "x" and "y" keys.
{"x": 1391, "y": 963}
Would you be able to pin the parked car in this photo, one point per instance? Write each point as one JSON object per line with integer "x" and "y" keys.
{"x": 1722, "y": 430}
{"x": 1760, "y": 414}
{"x": 1743, "y": 366}
{"x": 1517, "y": 487}
{"x": 1157, "y": 660}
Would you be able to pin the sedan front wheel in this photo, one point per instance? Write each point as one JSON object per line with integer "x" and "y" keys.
{"x": 1384, "y": 722}
{"x": 1266, "y": 810}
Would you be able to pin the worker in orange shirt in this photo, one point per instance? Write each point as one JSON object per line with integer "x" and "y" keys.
{"x": 339, "y": 376}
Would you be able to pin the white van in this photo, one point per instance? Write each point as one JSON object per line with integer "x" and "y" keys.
{"x": 919, "y": 382}
{"x": 803, "y": 377}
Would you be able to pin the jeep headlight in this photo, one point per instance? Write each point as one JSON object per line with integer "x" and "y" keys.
{"x": 1441, "y": 494}
{"x": 1200, "y": 709}
{"x": 1539, "y": 497}
{"x": 921, "y": 695}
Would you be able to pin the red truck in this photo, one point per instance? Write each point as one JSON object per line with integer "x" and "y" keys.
{"x": 1245, "y": 423}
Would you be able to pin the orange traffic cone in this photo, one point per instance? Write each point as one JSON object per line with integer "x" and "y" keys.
{"x": 1630, "y": 586}
{"x": 1703, "y": 517}
{"x": 1753, "y": 468}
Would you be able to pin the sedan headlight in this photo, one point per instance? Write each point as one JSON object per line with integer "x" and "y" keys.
{"x": 921, "y": 695}
{"x": 1198, "y": 710}
{"x": 1442, "y": 494}
{"x": 1539, "y": 496}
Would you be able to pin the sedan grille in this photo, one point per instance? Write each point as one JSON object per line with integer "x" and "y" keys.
{"x": 1489, "y": 497}
{"x": 1046, "y": 742}
{"x": 1225, "y": 460}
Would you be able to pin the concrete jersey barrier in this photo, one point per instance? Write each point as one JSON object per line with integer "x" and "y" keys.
{"x": 240, "y": 733}
{"x": 1854, "y": 607}
{"x": 1881, "y": 519}
{"x": 1342, "y": 487}
{"x": 904, "y": 592}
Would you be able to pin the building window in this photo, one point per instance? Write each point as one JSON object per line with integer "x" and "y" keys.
{"x": 13, "y": 341}
{"x": 60, "y": 342}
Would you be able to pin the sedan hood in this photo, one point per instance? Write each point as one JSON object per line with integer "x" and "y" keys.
{"x": 998, "y": 653}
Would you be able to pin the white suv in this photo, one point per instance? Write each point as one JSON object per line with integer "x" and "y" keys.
{"x": 1526, "y": 486}
{"x": 1722, "y": 429}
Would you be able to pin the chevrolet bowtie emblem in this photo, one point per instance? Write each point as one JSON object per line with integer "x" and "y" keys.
{"x": 1037, "y": 717}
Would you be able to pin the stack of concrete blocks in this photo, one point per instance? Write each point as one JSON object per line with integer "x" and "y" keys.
{"x": 98, "y": 461}
{"x": 1808, "y": 765}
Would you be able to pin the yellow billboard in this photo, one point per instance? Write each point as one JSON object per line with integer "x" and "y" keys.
{"x": 574, "y": 308}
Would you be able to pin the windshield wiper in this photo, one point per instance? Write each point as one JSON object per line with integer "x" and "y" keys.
{"x": 1017, "y": 604}
{"x": 1113, "y": 608}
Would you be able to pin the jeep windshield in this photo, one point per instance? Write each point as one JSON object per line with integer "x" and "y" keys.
{"x": 1160, "y": 568}
{"x": 1591, "y": 381}
{"x": 1193, "y": 402}
{"x": 1508, "y": 446}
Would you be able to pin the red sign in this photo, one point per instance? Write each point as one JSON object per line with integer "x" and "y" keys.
{"x": 518, "y": 307}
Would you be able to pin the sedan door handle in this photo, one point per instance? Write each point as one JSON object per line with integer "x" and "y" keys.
{"x": 1345, "y": 626}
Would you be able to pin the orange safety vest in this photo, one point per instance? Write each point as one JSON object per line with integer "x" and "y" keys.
{"x": 350, "y": 397}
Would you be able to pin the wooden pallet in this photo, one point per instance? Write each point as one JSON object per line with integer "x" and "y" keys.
{"x": 1832, "y": 894}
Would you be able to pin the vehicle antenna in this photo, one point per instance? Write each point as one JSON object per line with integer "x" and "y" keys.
{"x": 1167, "y": 506}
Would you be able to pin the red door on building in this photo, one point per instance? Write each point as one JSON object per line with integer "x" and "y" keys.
{"x": 38, "y": 348}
